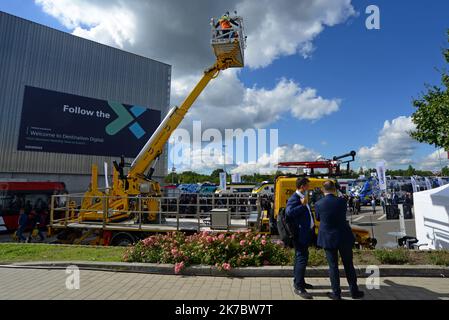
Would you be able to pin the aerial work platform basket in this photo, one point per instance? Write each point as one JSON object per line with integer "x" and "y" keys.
{"x": 229, "y": 42}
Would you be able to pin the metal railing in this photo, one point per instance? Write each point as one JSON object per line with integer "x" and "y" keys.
{"x": 225, "y": 34}
{"x": 183, "y": 212}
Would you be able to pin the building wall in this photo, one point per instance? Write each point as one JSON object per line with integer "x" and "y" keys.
{"x": 38, "y": 56}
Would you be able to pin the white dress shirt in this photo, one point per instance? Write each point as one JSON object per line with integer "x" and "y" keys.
{"x": 312, "y": 222}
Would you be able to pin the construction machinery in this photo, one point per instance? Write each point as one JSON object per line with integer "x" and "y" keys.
{"x": 134, "y": 206}
{"x": 138, "y": 180}
{"x": 285, "y": 186}
{"x": 135, "y": 190}
{"x": 265, "y": 188}
{"x": 233, "y": 188}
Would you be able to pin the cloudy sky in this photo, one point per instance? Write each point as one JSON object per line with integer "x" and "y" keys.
{"x": 313, "y": 70}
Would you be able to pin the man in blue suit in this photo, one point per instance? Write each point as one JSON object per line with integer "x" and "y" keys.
{"x": 335, "y": 236}
{"x": 300, "y": 218}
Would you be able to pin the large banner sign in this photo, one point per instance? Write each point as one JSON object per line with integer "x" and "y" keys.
{"x": 223, "y": 180}
{"x": 381, "y": 175}
{"x": 236, "y": 178}
{"x": 414, "y": 184}
{"x": 66, "y": 123}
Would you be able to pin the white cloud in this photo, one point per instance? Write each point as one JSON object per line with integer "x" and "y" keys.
{"x": 210, "y": 157}
{"x": 394, "y": 144}
{"x": 267, "y": 163}
{"x": 202, "y": 161}
{"x": 287, "y": 27}
{"x": 177, "y": 32}
{"x": 226, "y": 103}
{"x": 111, "y": 23}
{"x": 434, "y": 161}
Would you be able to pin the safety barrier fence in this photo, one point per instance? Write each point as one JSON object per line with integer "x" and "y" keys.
{"x": 185, "y": 211}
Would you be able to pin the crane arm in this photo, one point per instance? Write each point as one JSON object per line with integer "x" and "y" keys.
{"x": 155, "y": 145}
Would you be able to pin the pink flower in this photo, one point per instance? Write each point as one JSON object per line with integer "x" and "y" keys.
{"x": 148, "y": 241}
{"x": 178, "y": 267}
{"x": 264, "y": 242}
{"x": 233, "y": 237}
{"x": 242, "y": 242}
{"x": 221, "y": 236}
{"x": 204, "y": 234}
{"x": 174, "y": 251}
{"x": 226, "y": 266}
{"x": 209, "y": 239}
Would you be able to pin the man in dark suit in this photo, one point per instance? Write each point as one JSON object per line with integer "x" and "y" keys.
{"x": 300, "y": 218}
{"x": 335, "y": 236}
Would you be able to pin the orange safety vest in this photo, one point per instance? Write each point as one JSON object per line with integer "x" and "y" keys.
{"x": 225, "y": 24}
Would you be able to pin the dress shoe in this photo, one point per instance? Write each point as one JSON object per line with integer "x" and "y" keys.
{"x": 333, "y": 296}
{"x": 308, "y": 286}
{"x": 357, "y": 295}
{"x": 304, "y": 294}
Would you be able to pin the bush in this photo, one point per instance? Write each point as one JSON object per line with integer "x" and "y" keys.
{"x": 317, "y": 257}
{"x": 225, "y": 251}
{"x": 394, "y": 256}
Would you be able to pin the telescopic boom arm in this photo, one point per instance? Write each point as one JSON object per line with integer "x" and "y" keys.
{"x": 155, "y": 145}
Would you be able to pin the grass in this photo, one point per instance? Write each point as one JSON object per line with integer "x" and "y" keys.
{"x": 439, "y": 258}
{"x": 317, "y": 257}
{"x": 14, "y": 252}
{"x": 385, "y": 256}
{"x": 394, "y": 256}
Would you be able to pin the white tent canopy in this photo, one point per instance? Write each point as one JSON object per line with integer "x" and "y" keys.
{"x": 432, "y": 217}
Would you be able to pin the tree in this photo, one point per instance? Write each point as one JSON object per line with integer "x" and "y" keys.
{"x": 410, "y": 171}
{"x": 216, "y": 174}
{"x": 171, "y": 177}
{"x": 445, "y": 172}
{"x": 361, "y": 171}
{"x": 432, "y": 115}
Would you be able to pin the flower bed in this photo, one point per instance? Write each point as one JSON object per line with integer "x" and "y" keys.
{"x": 224, "y": 251}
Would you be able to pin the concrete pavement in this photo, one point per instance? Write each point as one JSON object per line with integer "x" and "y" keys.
{"x": 51, "y": 284}
{"x": 381, "y": 226}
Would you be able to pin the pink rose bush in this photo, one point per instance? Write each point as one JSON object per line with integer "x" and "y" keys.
{"x": 179, "y": 266}
{"x": 224, "y": 251}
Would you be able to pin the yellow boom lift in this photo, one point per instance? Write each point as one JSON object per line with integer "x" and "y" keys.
{"x": 228, "y": 46}
{"x": 136, "y": 191}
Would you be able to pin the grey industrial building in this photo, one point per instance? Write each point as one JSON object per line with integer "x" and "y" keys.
{"x": 33, "y": 55}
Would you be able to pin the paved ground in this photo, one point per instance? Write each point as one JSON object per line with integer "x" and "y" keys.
{"x": 51, "y": 284}
{"x": 381, "y": 226}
